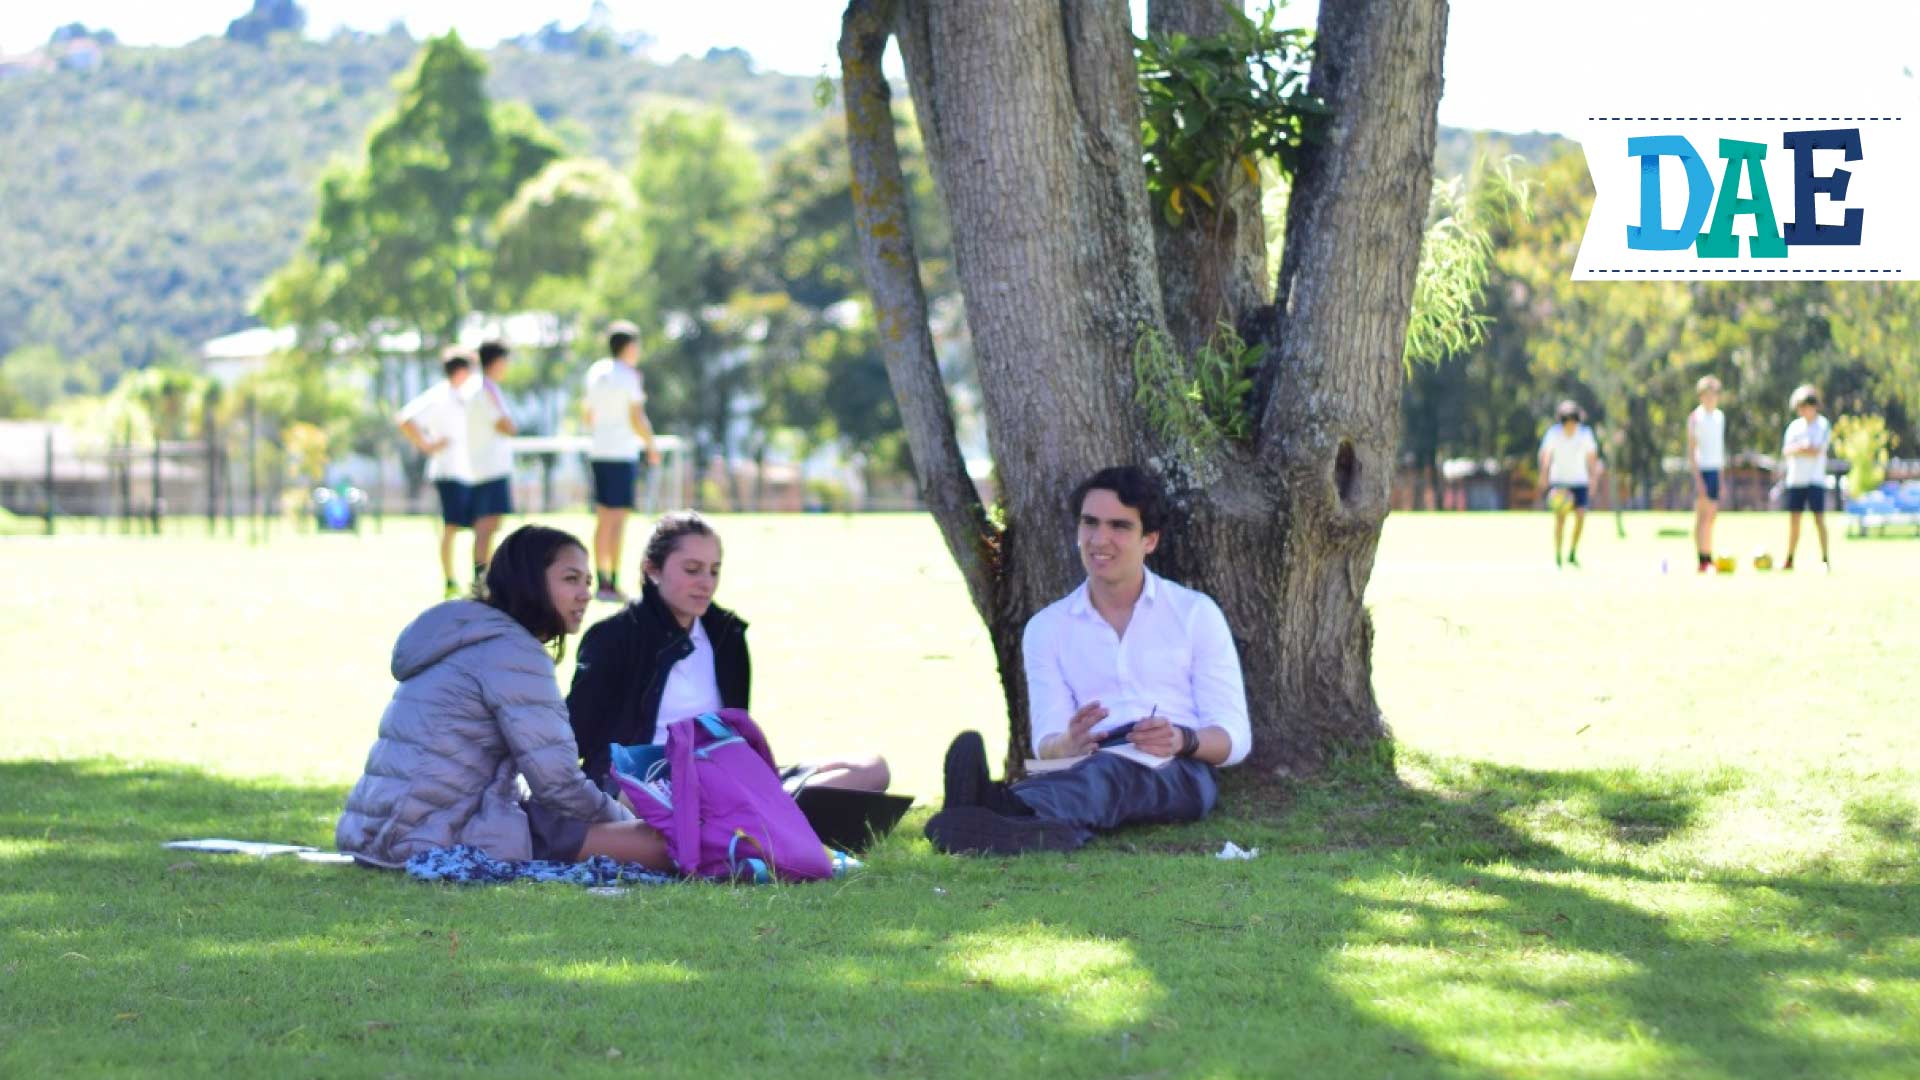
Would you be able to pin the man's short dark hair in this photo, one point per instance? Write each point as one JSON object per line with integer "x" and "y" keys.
{"x": 1134, "y": 486}
{"x": 492, "y": 350}
{"x": 455, "y": 361}
{"x": 619, "y": 336}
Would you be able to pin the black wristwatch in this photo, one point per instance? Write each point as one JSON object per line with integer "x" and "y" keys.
{"x": 1189, "y": 741}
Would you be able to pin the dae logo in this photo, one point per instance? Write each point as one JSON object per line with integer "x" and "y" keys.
{"x": 1751, "y": 197}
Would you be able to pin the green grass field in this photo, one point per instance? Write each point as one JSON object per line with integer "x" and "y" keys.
{"x": 1639, "y": 824}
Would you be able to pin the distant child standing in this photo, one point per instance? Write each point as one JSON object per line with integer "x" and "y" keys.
{"x": 435, "y": 422}
{"x": 616, "y": 415}
{"x": 1707, "y": 454}
{"x": 1805, "y": 450}
{"x": 489, "y": 427}
{"x": 1569, "y": 463}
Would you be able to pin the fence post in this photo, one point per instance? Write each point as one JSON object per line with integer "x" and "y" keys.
{"x": 253, "y": 470}
{"x": 49, "y": 507}
{"x": 152, "y": 508}
{"x": 213, "y": 468}
{"x": 226, "y": 477}
{"x": 126, "y": 477}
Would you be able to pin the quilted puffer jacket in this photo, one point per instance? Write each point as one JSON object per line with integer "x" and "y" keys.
{"x": 476, "y": 708}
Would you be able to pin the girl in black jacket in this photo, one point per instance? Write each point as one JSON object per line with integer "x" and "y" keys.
{"x": 674, "y": 653}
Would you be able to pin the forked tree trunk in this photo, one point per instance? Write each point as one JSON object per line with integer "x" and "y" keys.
{"x": 1031, "y": 119}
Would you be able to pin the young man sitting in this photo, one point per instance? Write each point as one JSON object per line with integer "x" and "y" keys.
{"x": 1133, "y": 675}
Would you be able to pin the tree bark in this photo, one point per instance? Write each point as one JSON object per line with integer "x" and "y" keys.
{"x": 1331, "y": 395}
{"x": 1030, "y": 114}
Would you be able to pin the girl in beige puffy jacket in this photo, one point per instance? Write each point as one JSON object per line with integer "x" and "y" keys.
{"x": 475, "y": 747}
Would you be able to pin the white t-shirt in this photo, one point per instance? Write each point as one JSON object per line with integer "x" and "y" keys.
{"x": 1803, "y": 471}
{"x": 613, "y": 389}
{"x": 490, "y": 451}
{"x": 692, "y": 686}
{"x": 1567, "y": 454}
{"x": 440, "y": 412}
{"x": 1709, "y": 430}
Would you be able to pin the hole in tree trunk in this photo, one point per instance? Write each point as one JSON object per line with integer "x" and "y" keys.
{"x": 1345, "y": 468}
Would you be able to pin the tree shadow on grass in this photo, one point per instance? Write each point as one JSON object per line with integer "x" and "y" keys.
{"x": 1387, "y": 929}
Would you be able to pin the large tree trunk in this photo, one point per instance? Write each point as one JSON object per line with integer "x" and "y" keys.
{"x": 1030, "y": 114}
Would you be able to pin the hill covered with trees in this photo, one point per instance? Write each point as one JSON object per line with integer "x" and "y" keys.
{"x": 145, "y": 199}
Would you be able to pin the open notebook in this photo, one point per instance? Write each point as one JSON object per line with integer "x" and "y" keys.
{"x": 1125, "y": 750}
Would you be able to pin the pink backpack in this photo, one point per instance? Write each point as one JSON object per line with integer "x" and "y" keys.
{"x": 717, "y": 799}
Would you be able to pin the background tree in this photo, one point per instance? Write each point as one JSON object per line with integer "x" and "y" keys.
{"x": 674, "y": 262}
{"x": 549, "y": 239}
{"x": 267, "y": 18}
{"x": 1032, "y": 119}
{"x": 40, "y": 376}
{"x": 401, "y": 239}
{"x": 821, "y": 374}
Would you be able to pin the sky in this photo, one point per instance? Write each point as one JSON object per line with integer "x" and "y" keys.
{"x": 1511, "y": 65}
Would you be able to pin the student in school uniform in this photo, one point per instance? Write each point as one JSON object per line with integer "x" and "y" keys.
{"x": 489, "y": 427}
{"x": 616, "y": 414}
{"x": 1706, "y": 455}
{"x": 674, "y": 653}
{"x": 1569, "y": 464}
{"x": 435, "y": 422}
{"x": 1805, "y": 449}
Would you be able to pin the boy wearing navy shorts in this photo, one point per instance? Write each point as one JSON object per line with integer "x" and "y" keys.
{"x": 435, "y": 422}
{"x": 1707, "y": 454}
{"x": 1569, "y": 463}
{"x": 1805, "y": 451}
{"x": 616, "y": 416}
{"x": 489, "y": 427}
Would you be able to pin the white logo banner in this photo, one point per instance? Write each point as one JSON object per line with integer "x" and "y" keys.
{"x": 1732, "y": 196}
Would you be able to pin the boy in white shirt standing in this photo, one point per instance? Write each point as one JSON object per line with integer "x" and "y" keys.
{"x": 489, "y": 426}
{"x": 435, "y": 422}
{"x": 1569, "y": 464}
{"x": 1707, "y": 454}
{"x": 1133, "y": 675}
{"x": 616, "y": 415}
{"x": 1805, "y": 449}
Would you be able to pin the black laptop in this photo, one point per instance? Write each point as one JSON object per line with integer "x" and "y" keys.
{"x": 851, "y": 820}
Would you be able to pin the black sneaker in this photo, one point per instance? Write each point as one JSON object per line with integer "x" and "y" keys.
{"x": 976, "y": 830}
{"x": 967, "y": 778}
{"x": 969, "y": 783}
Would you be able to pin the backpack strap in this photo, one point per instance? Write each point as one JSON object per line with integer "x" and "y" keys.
{"x": 686, "y": 797}
{"x": 758, "y": 867}
{"x": 742, "y": 725}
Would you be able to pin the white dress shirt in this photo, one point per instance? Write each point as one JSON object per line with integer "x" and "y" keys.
{"x": 692, "y": 687}
{"x": 1177, "y": 661}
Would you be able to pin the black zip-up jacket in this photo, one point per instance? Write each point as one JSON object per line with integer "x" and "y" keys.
{"x": 621, "y": 670}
